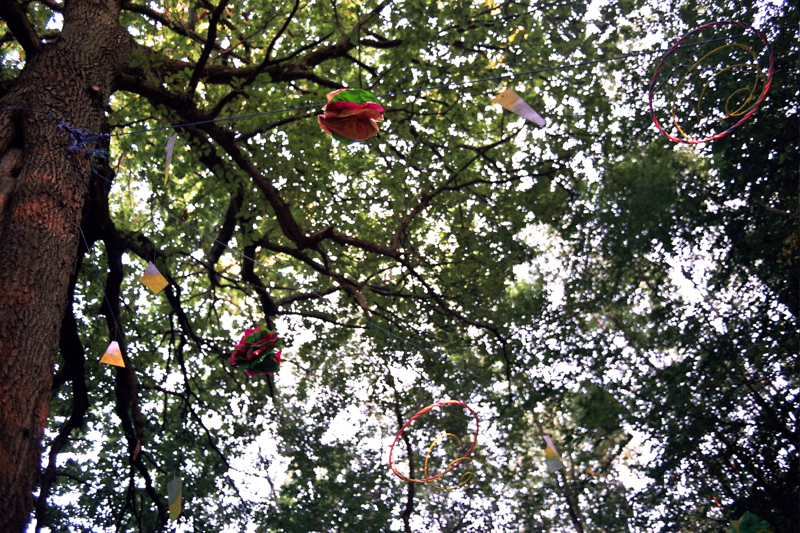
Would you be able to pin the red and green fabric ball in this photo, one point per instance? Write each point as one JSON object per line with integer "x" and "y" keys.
{"x": 258, "y": 352}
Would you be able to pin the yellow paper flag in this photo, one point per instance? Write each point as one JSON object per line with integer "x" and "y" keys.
{"x": 113, "y": 356}
{"x": 153, "y": 279}
{"x": 511, "y": 101}
{"x": 551, "y": 457}
{"x": 174, "y": 494}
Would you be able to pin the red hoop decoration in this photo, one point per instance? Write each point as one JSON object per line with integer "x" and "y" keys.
{"x": 745, "y": 116}
{"x": 453, "y": 464}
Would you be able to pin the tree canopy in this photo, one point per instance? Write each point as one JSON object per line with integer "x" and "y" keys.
{"x": 635, "y": 299}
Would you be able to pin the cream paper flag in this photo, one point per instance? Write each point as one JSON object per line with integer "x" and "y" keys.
{"x": 174, "y": 493}
{"x": 170, "y": 146}
{"x": 153, "y": 279}
{"x": 113, "y": 356}
{"x": 511, "y": 101}
{"x": 551, "y": 457}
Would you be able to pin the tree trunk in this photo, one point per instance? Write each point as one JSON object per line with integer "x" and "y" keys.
{"x": 43, "y": 184}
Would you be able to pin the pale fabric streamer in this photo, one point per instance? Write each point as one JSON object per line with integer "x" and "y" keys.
{"x": 512, "y": 101}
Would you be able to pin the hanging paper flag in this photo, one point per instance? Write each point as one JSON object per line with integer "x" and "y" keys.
{"x": 551, "y": 457}
{"x": 511, "y": 101}
{"x": 170, "y": 146}
{"x": 153, "y": 279}
{"x": 258, "y": 352}
{"x": 351, "y": 115}
{"x": 113, "y": 356}
{"x": 174, "y": 495}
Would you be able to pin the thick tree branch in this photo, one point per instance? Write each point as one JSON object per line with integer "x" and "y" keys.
{"x": 17, "y": 21}
{"x": 283, "y": 302}
{"x": 127, "y": 394}
{"x": 58, "y": 8}
{"x": 135, "y": 76}
{"x": 249, "y": 276}
{"x": 225, "y": 139}
{"x": 383, "y": 44}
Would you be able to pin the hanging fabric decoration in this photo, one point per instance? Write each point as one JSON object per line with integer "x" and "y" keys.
{"x": 174, "y": 493}
{"x": 466, "y": 478}
{"x": 152, "y": 278}
{"x": 727, "y": 105}
{"x": 510, "y": 100}
{"x": 113, "y": 355}
{"x": 351, "y": 115}
{"x": 258, "y": 352}
{"x": 551, "y": 457}
{"x": 170, "y": 146}
{"x": 749, "y": 523}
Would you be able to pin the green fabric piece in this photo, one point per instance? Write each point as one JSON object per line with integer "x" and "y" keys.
{"x": 267, "y": 364}
{"x": 355, "y": 96}
{"x": 749, "y": 523}
{"x": 343, "y": 140}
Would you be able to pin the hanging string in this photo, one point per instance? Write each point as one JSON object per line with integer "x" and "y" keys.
{"x": 417, "y": 90}
{"x": 452, "y": 85}
{"x": 117, "y": 330}
{"x": 81, "y": 137}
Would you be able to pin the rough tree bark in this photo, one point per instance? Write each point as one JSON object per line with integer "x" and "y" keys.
{"x": 43, "y": 185}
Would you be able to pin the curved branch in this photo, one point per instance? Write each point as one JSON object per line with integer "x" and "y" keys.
{"x": 210, "y": 42}
{"x": 411, "y": 487}
{"x": 280, "y": 32}
{"x": 167, "y": 22}
{"x": 225, "y": 234}
{"x": 132, "y": 77}
{"x": 425, "y": 199}
{"x": 345, "y": 44}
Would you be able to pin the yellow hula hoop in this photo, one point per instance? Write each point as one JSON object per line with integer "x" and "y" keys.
{"x": 743, "y": 113}
{"x": 738, "y": 112}
{"x": 453, "y": 464}
{"x": 759, "y": 75}
{"x": 467, "y": 478}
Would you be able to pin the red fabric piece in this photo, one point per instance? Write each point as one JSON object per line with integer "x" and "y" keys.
{"x": 356, "y": 122}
